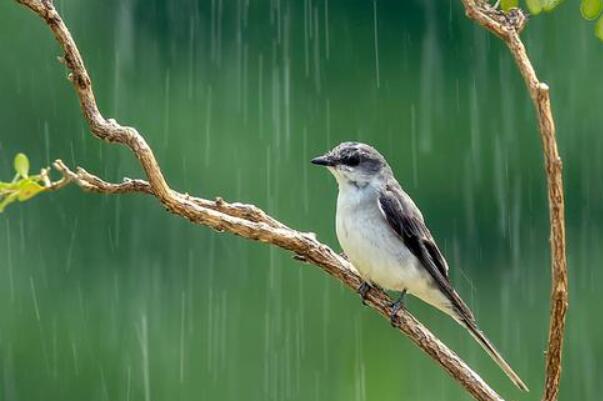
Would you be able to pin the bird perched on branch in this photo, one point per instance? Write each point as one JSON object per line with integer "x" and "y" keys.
{"x": 384, "y": 236}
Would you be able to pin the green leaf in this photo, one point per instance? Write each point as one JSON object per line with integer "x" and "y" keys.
{"x": 28, "y": 189}
{"x": 550, "y": 5}
{"x": 23, "y": 186}
{"x": 599, "y": 28}
{"x": 534, "y": 6}
{"x": 506, "y": 5}
{"x": 22, "y": 165}
{"x": 591, "y": 9}
{"x": 9, "y": 186}
{"x": 7, "y": 201}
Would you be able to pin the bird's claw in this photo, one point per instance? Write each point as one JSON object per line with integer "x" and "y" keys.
{"x": 396, "y": 306}
{"x": 363, "y": 290}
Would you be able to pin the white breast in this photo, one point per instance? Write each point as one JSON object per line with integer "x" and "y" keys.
{"x": 371, "y": 245}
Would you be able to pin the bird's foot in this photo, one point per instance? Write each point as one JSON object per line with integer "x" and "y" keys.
{"x": 363, "y": 290}
{"x": 396, "y": 306}
{"x": 343, "y": 255}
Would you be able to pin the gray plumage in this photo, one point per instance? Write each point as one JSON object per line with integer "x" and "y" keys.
{"x": 385, "y": 237}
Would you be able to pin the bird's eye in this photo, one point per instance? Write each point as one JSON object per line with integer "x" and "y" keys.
{"x": 352, "y": 160}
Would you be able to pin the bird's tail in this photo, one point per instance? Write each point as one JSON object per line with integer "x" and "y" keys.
{"x": 475, "y": 332}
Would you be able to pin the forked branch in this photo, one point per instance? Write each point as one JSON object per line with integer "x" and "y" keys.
{"x": 244, "y": 220}
{"x": 251, "y": 222}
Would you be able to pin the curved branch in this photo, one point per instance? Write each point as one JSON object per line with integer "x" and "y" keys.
{"x": 508, "y": 27}
{"x": 244, "y": 220}
{"x": 91, "y": 183}
{"x": 306, "y": 248}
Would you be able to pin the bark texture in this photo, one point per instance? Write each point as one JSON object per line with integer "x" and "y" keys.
{"x": 253, "y": 223}
{"x": 508, "y": 27}
{"x": 241, "y": 219}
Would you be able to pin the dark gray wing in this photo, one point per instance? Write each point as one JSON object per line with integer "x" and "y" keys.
{"x": 406, "y": 220}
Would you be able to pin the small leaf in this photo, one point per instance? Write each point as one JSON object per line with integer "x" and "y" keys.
{"x": 550, "y": 5}
{"x": 599, "y": 28}
{"x": 507, "y": 5}
{"x": 591, "y": 9}
{"x": 28, "y": 189}
{"x": 534, "y": 6}
{"x": 9, "y": 186}
{"x": 7, "y": 201}
{"x": 22, "y": 165}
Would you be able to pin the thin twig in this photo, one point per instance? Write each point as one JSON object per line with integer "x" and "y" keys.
{"x": 508, "y": 27}
{"x": 244, "y": 220}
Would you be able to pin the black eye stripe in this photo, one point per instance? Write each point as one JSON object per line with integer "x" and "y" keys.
{"x": 352, "y": 160}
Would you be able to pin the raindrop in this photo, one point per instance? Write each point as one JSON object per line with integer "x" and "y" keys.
{"x": 208, "y": 130}
{"x": 143, "y": 340}
{"x": 327, "y": 43}
{"x": 376, "y": 37}
{"x": 34, "y": 298}
{"x": 9, "y": 262}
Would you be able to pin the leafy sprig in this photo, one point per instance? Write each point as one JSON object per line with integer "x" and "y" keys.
{"x": 590, "y": 10}
{"x": 23, "y": 186}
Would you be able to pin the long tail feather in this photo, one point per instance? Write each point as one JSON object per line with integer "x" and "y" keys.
{"x": 475, "y": 332}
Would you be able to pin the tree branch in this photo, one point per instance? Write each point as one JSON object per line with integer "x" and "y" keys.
{"x": 303, "y": 245}
{"x": 508, "y": 27}
{"x": 244, "y": 220}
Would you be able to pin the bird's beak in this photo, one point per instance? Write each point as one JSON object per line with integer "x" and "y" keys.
{"x": 324, "y": 160}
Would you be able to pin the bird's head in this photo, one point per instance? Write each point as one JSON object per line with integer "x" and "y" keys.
{"x": 353, "y": 163}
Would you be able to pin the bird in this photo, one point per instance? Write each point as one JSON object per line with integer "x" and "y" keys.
{"x": 383, "y": 234}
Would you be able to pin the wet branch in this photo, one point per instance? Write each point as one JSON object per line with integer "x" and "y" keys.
{"x": 240, "y": 219}
{"x": 306, "y": 248}
{"x": 508, "y": 27}
{"x": 244, "y": 220}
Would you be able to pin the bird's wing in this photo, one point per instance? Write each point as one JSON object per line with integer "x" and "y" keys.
{"x": 407, "y": 222}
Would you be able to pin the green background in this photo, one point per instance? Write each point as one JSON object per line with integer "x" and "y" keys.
{"x": 112, "y": 298}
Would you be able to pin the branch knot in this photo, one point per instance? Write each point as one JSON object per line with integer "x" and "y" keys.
{"x": 513, "y": 20}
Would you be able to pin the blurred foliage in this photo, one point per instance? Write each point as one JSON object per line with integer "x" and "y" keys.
{"x": 506, "y": 5}
{"x": 23, "y": 186}
{"x": 230, "y": 110}
{"x": 599, "y": 28}
{"x": 590, "y": 10}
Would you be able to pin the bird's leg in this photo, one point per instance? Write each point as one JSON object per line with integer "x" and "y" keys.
{"x": 363, "y": 290}
{"x": 396, "y": 306}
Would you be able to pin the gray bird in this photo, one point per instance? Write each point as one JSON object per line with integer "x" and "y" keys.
{"x": 383, "y": 234}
